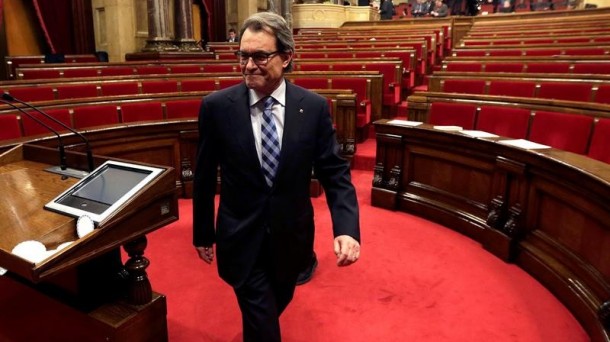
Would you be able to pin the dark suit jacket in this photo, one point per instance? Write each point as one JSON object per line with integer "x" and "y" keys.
{"x": 248, "y": 207}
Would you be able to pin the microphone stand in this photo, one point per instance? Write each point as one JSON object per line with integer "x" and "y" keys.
{"x": 8, "y": 97}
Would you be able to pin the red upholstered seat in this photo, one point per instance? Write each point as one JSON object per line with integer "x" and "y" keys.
{"x": 163, "y": 86}
{"x": 592, "y": 68}
{"x": 591, "y": 51}
{"x": 38, "y": 74}
{"x": 565, "y": 91}
{"x": 392, "y": 83}
{"x": 512, "y": 88}
{"x": 31, "y": 127}
{"x": 227, "y": 82}
{"x": 313, "y": 66}
{"x": 228, "y": 68}
{"x": 185, "y": 69}
{"x": 182, "y": 109}
{"x": 459, "y": 66}
{"x": 120, "y": 88}
{"x": 117, "y": 71}
{"x": 468, "y": 53}
{"x": 89, "y": 116}
{"x": 74, "y": 91}
{"x": 33, "y": 93}
{"x": 503, "y": 67}
{"x": 599, "y": 147}
{"x": 363, "y": 102}
{"x": 9, "y": 127}
{"x": 464, "y": 86}
{"x": 311, "y": 83}
{"x": 141, "y": 111}
{"x": 542, "y": 52}
{"x": 603, "y": 94}
{"x": 198, "y": 85}
{"x": 569, "y": 132}
{"x": 505, "y": 52}
{"x": 152, "y": 70}
{"x": 452, "y": 114}
{"x": 504, "y": 121}
{"x": 551, "y": 67}
{"x": 81, "y": 72}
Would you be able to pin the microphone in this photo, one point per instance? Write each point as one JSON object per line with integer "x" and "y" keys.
{"x": 8, "y": 97}
{"x": 62, "y": 151}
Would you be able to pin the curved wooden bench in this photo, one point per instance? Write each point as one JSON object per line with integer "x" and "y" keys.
{"x": 169, "y": 140}
{"x": 547, "y": 210}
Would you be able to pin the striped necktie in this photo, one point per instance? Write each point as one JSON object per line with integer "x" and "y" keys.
{"x": 270, "y": 151}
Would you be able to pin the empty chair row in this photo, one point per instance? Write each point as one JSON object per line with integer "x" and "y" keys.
{"x": 602, "y": 38}
{"x": 553, "y": 90}
{"x": 575, "y": 133}
{"x": 97, "y": 89}
{"x": 67, "y": 71}
{"x": 14, "y": 125}
{"x": 600, "y": 50}
{"x": 539, "y": 67}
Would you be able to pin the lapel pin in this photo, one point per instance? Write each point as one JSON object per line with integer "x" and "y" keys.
{"x": 301, "y": 110}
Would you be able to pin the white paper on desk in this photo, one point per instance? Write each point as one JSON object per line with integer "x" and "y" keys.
{"x": 404, "y": 123}
{"x": 448, "y": 128}
{"x": 479, "y": 134}
{"x": 522, "y": 143}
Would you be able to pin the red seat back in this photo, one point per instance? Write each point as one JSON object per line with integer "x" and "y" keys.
{"x": 600, "y": 141}
{"x": 568, "y": 132}
{"x": 9, "y": 127}
{"x": 452, "y": 114}
{"x": 182, "y": 109}
{"x": 465, "y": 86}
{"x": 141, "y": 111}
{"x": 504, "y": 121}
{"x": 565, "y": 91}
{"x": 512, "y": 88}
{"x": 31, "y": 127}
{"x": 89, "y": 116}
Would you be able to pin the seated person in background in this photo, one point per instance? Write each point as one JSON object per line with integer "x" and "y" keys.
{"x": 440, "y": 9}
{"x": 232, "y": 38}
{"x": 421, "y": 8}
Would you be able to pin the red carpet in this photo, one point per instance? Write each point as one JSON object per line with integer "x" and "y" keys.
{"x": 416, "y": 281}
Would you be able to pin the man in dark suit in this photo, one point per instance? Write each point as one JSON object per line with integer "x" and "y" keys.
{"x": 263, "y": 136}
{"x": 232, "y": 37}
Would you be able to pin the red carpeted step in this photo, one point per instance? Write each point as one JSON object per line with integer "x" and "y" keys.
{"x": 364, "y": 159}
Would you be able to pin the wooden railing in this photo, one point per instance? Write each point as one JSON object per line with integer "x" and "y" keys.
{"x": 544, "y": 210}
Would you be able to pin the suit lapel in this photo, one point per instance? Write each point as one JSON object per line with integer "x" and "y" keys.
{"x": 241, "y": 126}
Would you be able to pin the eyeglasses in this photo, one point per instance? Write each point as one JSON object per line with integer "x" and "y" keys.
{"x": 259, "y": 58}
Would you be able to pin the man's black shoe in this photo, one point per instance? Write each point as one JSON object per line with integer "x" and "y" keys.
{"x": 307, "y": 274}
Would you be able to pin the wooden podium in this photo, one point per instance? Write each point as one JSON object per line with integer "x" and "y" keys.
{"x": 82, "y": 292}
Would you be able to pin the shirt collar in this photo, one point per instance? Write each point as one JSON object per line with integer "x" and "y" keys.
{"x": 279, "y": 94}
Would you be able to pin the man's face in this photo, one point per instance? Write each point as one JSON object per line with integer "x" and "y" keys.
{"x": 263, "y": 78}
{"x": 231, "y": 35}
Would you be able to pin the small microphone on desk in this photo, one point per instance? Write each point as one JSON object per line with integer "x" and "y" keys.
{"x": 8, "y": 97}
{"x": 62, "y": 152}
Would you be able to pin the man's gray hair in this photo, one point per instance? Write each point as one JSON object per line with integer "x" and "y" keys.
{"x": 274, "y": 24}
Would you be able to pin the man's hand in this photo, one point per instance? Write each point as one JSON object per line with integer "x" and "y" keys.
{"x": 206, "y": 254}
{"x": 347, "y": 250}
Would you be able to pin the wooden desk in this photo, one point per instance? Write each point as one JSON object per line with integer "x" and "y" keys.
{"x": 545, "y": 210}
{"x": 87, "y": 276}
